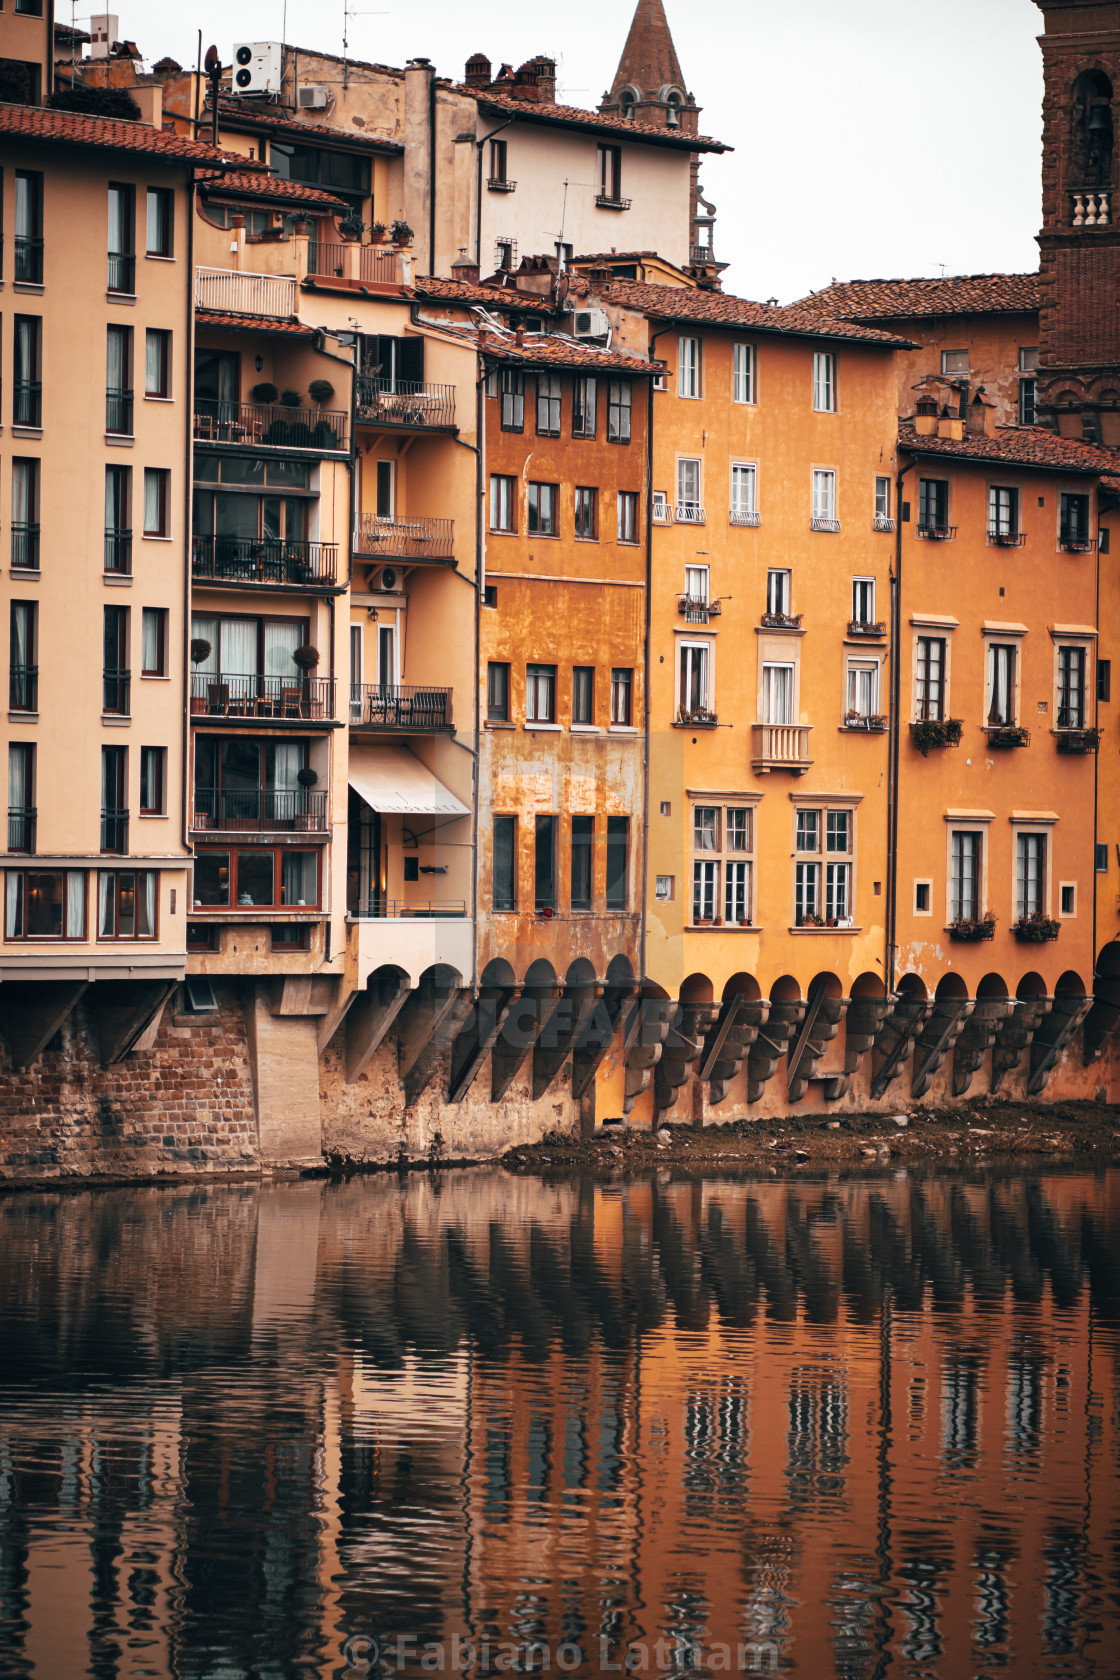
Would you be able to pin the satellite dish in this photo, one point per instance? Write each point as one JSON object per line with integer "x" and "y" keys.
{"x": 211, "y": 62}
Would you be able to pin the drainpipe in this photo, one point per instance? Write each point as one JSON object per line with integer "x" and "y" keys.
{"x": 432, "y": 173}
{"x": 1096, "y": 722}
{"x": 895, "y": 733}
{"x": 188, "y": 508}
{"x": 648, "y": 654}
{"x": 478, "y": 218}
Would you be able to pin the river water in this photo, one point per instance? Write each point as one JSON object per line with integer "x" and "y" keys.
{"x": 833, "y": 1425}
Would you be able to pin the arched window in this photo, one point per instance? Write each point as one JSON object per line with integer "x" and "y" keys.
{"x": 673, "y": 111}
{"x": 1092, "y": 137}
{"x": 626, "y": 105}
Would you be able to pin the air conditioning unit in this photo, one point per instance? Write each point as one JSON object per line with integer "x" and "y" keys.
{"x": 389, "y": 581}
{"x": 258, "y": 67}
{"x": 590, "y": 323}
{"x": 313, "y": 98}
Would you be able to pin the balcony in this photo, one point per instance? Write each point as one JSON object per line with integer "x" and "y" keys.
{"x": 21, "y": 828}
{"x": 228, "y": 696}
{"x": 226, "y": 293}
{"x": 27, "y": 403}
{"x": 370, "y": 265}
{"x": 118, "y": 412}
{"x": 701, "y": 254}
{"x": 405, "y": 402}
{"x": 865, "y": 627}
{"x": 689, "y": 513}
{"x": 410, "y": 909}
{"x": 412, "y": 935}
{"x": 780, "y": 746}
{"x": 781, "y": 621}
{"x": 1076, "y": 542}
{"x": 399, "y": 538}
{"x": 694, "y": 610}
{"x": 662, "y": 513}
{"x": 1091, "y": 207}
{"x": 122, "y": 273}
{"x": 264, "y": 562}
{"x": 935, "y": 533}
{"x": 25, "y": 547}
{"x": 29, "y": 260}
{"x": 413, "y": 709}
{"x": 23, "y": 688}
{"x": 118, "y": 552}
{"x": 1007, "y": 735}
{"x": 114, "y": 830}
{"x": 871, "y": 722}
{"x": 1004, "y": 538}
{"x": 882, "y": 522}
{"x": 116, "y": 688}
{"x": 607, "y": 201}
{"x": 1069, "y": 738}
{"x": 260, "y": 810}
{"x": 741, "y": 516}
{"x": 820, "y": 524}
{"x": 500, "y": 184}
{"x": 271, "y": 426}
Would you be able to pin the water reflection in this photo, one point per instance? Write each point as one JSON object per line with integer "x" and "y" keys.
{"x": 837, "y": 1427}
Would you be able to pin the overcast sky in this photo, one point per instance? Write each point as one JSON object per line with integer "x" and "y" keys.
{"x": 872, "y": 137}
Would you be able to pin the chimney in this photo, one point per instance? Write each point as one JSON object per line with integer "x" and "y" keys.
{"x": 478, "y": 71}
{"x": 519, "y": 338}
{"x": 949, "y": 426}
{"x": 464, "y": 270}
{"x": 981, "y": 415}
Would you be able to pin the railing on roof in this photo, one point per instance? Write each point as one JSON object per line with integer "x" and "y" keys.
{"x": 372, "y": 265}
{"x": 226, "y": 293}
{"x": 1092, "y": 207}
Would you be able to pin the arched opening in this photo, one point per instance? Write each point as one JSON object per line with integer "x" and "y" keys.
{"x": 442, "y": 977}
{"x": 1091, "y": 137}
{"x": 697, "y": 988}
{"x": 950, "y": 986}
{"x": 580, "y": 973}
{"x": 992, "y": 986}
{"x": 497, "y": 975}
{"x": 673, "y": 111}
{"x": 1032, "y": 985}
{"x": 829, "y": 983}
{"x": 619, "y": 971}
{"x": 914, "y": 987}
{"x": 785, "y": 990}
{"x": 1070, "y": 984}
{"x": 1108, "y": 962}
{"x": 868, "y": 986}
{"x": 540, "y": 973}
{"x": 742, "y": 985}
{"x": 626, "y": 104}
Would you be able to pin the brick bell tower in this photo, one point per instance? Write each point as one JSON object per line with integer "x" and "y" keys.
{"x": 1079, "y": 330}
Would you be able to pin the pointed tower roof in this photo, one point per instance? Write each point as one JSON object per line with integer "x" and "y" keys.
{"x": 649, "y": 59}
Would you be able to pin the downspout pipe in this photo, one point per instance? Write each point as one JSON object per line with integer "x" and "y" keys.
{"x": 648, "y": 709}
{"x": 895, "y": 734}
{"x": 432, "y": 173}
{"x": 478, "y": 198}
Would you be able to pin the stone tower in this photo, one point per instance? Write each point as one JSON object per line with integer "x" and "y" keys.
{"x": 649, "y": 87}
{"x": 1079, "y": 331}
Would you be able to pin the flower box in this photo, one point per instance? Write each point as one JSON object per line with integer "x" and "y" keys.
{"x": 1078, "y": 740}
{"x": 969, "y": 931}
{"x": 858, "y": 627}
{"x": 810, "y": 921}
{"x": 1036, "y": 930}
{"x": 781, "y": 621}
{"x": 1009, "y": 735}
{"x": 936, "y": 732}
{"x": 706, "y": 719}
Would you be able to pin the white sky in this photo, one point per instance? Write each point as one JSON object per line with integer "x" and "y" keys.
{"x": 872, "y": 137}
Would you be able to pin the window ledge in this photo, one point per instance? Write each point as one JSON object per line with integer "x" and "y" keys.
{"x": 724, "y": 927}
{"x": 28, "y": 286}
{"x": 27, "y": 431}
{"x": 151, "y": 396}
{"x": 117, "y": 440}
{"x": 498, "y": 723}
{"x": 116, "y": 581}
{"x": 127, "y": 298}
{"x": 110, "y": 721}
{"x": 551, "y": 728}
{"x": 623, "y": 729}
{"x": 155, "y": 536}
{"x": 586, "y": 729}
{"x": 156, "y": 816}
{"x": 847, "y": 931}
{"x": 24, "y": 574}
{"x": 157, "y": 256}
{"x": 23, "y": 717}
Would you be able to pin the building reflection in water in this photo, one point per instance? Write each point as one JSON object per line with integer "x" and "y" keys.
{"x": 841, "y": 1426}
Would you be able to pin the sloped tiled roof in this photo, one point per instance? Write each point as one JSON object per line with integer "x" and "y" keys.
{"x": 950, "y": 294}
{"x": 252, "y": 323}
{"x": 488, "y": 297}
{"x": 113, "y": 134}
{"x": 720, "y": 309}
{"x": 1014, "y": 446}
{"x": 253, "y": 183}
{"x": 572, "y": 116}
{"x": 237, "y": 114}
{"x": 549, "y": 350}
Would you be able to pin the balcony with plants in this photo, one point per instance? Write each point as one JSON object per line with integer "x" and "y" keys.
{"x": 275, "y": 418}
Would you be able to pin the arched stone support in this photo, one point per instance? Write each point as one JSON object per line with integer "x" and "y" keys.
{"x": 977, "y": 1037}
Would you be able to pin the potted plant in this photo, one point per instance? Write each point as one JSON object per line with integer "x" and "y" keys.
{"x": 717, "y": 921}
{"x": 264, "y": 393}
{"x": 200, "y": 650}
{"x": 307, "y": 777}
{"x": 810, "y": 919}
{"x": 855, "y": 720}
{"x": 936, "y": 732}
{"x": 1009, "y": 735}
{"x": 320, "y": 391}
{"x": 877, "y": 720}
{"x": 402, "y": 233}
{"x": 969, "y": 930}
{"x": 291, "y": 399}
{"x": 299, "y": 227}
{"x": 1036, "y": 929}
{"x": 745, "y": 921}
{"x": 1078, "y": 740}
{"x": 380, "y": 233}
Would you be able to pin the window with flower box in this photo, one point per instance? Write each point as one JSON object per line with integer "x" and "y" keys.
{"x": 722, "y": 864}
{"x": 824, "y": 865}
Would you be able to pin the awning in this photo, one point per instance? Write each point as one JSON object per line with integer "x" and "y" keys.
{"x": 391, "y": 779}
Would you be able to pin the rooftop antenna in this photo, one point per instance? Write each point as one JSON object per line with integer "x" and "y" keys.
{"x": 348, "y": 12}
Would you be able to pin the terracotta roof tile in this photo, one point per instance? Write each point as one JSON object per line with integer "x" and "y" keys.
{"x": 549, "y": 350}
{"x": 951, "y": 294}
{"x": 1017, "y": 446}
{"x": 238, "y": 115}
{"x": 252, "y": 323}
{"x": 489, "y": 297}
{"x": 572, "y": 116}
{"x": 720, "y": 309}
{"x": 114, "y": 134}
{"x": 253, "y": 183}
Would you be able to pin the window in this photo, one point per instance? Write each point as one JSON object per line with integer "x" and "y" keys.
{"x": 660, "y": 508}
{"x": 544, "y": 863}
{"x": 696, "y": 582}
{"x": 542, "y": 509}
{"x": 954, "y": 361}
{"x": 622, "y": 685}
{"x": 883, "y": 520}
{"x": 157, "y": 363}
{"x": 922, "y": 892}
{"x": 505, "y": 863}
{"x": 587, "y": 514}
{"x": 1030, "y": 875}
{"x": 548, "y": 405}
{"x": 157, "y": 486}
{"x": 126, "y": 903}
{"x": 21, "y": 796}
{"x": 863, "y": 690}
{"x": 863, "y": 600}
{"x": 618, "y": 863}
{"x": 540, "y": 694}
{"x": 690, "y": 506}
{"x": 1104, "y": 679}
{"x": 504, "y": 252}
{"x": 688, "y": 367}
{"x": 1071, "y": 688}
{"x": 933, "y": 506}
{"x": 824, "y": 382}
{"x": 1001, "y": 684}
{"x": 694, "y": 686}
{"x": 498, "y": 161}
{"x": 628, "y": 516}
{"x": 1003, "y": 513}
{"x": 27, "y": 393}
{"x": 824, "y": 500}
{"x": 160, "y": 221}
{"x": 23, "y": 669}
{"x": 115, "y": 673}
{"x": 45, "y": 904}
{"x": 122, "y": 260}
{"x": 114, "y": 799}
{"x": 964, "y": 879}
{"x": 29, "y": 8}
{"x": 342, "y": 172}
{"x": 777, "y": 694}
{"x": 744, "y": 484}
{"x": 1028, "y": 358}
{"x": 1100, "y": 856}
{"x": 722, "y": 845}
{"x": 929, "y": 682}
{"x": 1069, "y": 898}
{"x": 29, "y": 227}
{"x": 1074, "y": 522}
{"x": 583, "y": 831}
{"x": 513, "y": 400}
{"x": 153, "y": 778}
{"x": 619, "y": 405}
{"x": 610, "y": 173}
{"x": 118, "y": 520}
{"x": 583, "y": 694}
{"x": 1028, "y": 401}
{"x": 742, "y": 373}
{"x": 778, "y": 593}
{"x": 243, "y": 782}
{"x": 25, "y": 515}
{"x": 824, "y": 846}
{"x": 497, "y": 692}
{"x": 584, "y": 403}
{"x": 257, "y": 876}
{"x": 153, "y": 640}
{"x": 663, "y": 889}
{"x": 118, "y": 380}
{"x": 503, "y": 502}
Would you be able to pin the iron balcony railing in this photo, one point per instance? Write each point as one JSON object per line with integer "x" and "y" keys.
{"x": 404, "y": 402}
{"x": 21, "y": 828}
{"x": 662, "y": 513}
{"x": 118, "y": 412}
{"x": 609, "y": 201}
{"x": 25, "y": 547}
{"x": 413, "y": 538}
{"x": 373, "y": 265}
{"x": 29, "y": 260}
{"x": 27, "y": 403}
{"x": 116, "y": 690}
{"x": 122, "y": 272}
{"x": 261, "y": 809}
{"x": 242, "y": 695}
{"x": 118, "y": 552}
{"x": 694, "y": 609}
{"x": 1005, "y": 537}
{"x": 745, "y": 516}
{"x": 23, "y": 688}
{"x": 819, "y": 523}
{"x": 1076, "y": 541}
{"x": 381, "y": 706}
{"x": 689, "y": 513}
{"x": 114, "y": 830}
{"x": 264, "y": 560}
{"x": 395, "y": 909}
{"x": 499, "y": 183}
{"x": 271, "y": 425}
{"x": 224, "y": 292}
{"x": 933, "y": 532}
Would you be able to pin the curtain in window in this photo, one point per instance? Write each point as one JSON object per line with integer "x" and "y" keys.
{"x": 824, "y": 497}
{"x": 146, "y": 904}
{"x": 152, "y": 519}
{"x": 742, "y": 489}
{"x": 153, "y": 363}
{"x": 75, "y": 904}
{"x": 1001, "y": 668}
{"x": 149, "y": 641}
{"x": 113, "y": 521}
{"x": 704, "y": 828}
{"x": 1031, "y": 873}
{"x": 21, "y": 637}
{"x": 966, "y": 860}
{"x": 106, "y": 885}
{"x": 777, "y": 693}
{"x": 288, "y": 797}
{"x": 861, "y": 685}
{"x": 21, "y": 493}
{"x": 19, "y": 789}
{"x": 115, "y": 359}
{"x": 237, "y": 647}
{"x": 13, "y": 905}
{"x": 297, "y": 878}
